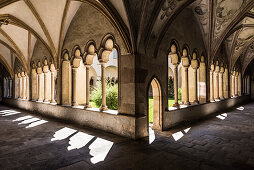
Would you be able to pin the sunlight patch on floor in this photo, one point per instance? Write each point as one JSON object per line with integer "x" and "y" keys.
{"x": 151, "y": 135}
{"x": 99, "y": 149}
{"x": 79, "y": 140}
{"x": 222, "y": 116}
{"x": 180, "y": 134}
{"x": 22, "y": 118}
{"x": 29, "y": 121}
{"x": 37, "y": 123}
{"x": 63, "y": 133}
{"x": 240, "y": 108}
{"x": 8, "y": 112}
{"x": 177, "y": 135}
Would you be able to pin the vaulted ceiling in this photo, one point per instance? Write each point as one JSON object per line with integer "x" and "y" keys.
{"x": 141, "y": 23}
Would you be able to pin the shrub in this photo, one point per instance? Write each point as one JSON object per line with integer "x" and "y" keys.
{"x": 179, "y": 93}
{"x": 111, "y": 95}
{"x": 170, "y": 87}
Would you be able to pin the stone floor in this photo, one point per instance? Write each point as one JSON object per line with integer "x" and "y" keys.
{"x": 28, "y": 141}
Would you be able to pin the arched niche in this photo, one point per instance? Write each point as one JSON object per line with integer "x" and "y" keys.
{"x": 156, "y": 103}
{"x": 66, "y": 97}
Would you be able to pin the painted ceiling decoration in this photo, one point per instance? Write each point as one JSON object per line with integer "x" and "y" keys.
{"x": 222, "y": 22}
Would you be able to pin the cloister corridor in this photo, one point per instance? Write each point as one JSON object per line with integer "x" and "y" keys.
{"x": 223, "y": 141}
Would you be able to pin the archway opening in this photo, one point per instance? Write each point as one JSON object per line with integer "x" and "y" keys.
{"x": 155, "y": 105}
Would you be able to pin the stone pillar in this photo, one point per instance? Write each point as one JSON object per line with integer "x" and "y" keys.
{"x": 236, "y": 84}
{"x": 34, "y": 82}
{"x": 225, "y": 83}
{"x": 53, "y": 70}
{"x": 103, "y": 86}
{"x": 194, "y": 65}
{"x": 216, "y": 81}
{"x": 39, "y": 72}
{"x": 221, "y": 93}
{"x": 89, "y": 56}
{"x": 23, "y": 75}
{"x": 75, "y": 65}
{"x": 174, "y": 60}
{"x": 202, "y": 81}
{"x": 239, "y": 84}
{"x": 27, "y": 88}
{"x": 244, "y": 85}
{"x": 176, "y": 85}
{"x": 11, "y": 82}
{"x": 233, "y": 85}
{"x": 211, "y": 84}
{"x": 46, "y": 71}
{"x": 74, "y": 87}
{"x": 88, "y": 86}
{"x": 66, "y": 81}
{"x": 185, "y": 63}
{"x": 20, "y": 85}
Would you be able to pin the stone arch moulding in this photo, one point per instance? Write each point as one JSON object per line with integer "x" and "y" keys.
{"x": 74, "y": 49}
{"x": 174, "y": 42}
{"x": 185, "y": 46}
{"x": 89, "y": 51}
{"x": 107, "y": 9}
{"x": 157, "y": 103}
{"x": 6, "y": 65}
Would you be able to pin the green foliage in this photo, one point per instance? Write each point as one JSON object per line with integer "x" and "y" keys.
{"x": 179, "y": 93}
{"x": 111, "y": 95}
{"x": 170, "y": 87}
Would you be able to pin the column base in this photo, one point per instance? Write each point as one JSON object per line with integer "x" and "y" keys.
{"x": 39, "y": 100}
{"x": 46, "y": 100}
{"x": 195, "y": 102}
{"x": 88, "y": 106}
{"x": 53, "y": 102}
{"x": 222, "y": 98}
{"x": 103, "y": 108}
{"x": 74, "y": 104}
{"x": 186, "y": 103}
{"x": 176, "y": 105}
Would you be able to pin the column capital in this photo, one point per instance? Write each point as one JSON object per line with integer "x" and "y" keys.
{"x": 185, "y": 61}
{"x": 194, "y": 64}
{"x": 222, "y": 70}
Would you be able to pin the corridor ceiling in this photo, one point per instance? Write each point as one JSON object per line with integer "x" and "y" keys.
{"x": 142, "y": 23}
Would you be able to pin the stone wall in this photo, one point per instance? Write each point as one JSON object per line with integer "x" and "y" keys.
{"x": 118, "y": 124}
{"x": 196, "y": 112}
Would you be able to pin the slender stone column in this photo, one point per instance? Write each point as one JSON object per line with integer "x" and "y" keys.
{"x": 20, "y": 86}
{"x": 39, "y": 72}
{"x": 194, "y": 65}
{"x": 52, "y": 69}
{"x": 103, "y": 86}
{"x": 240, "y": 84}
{"x": 185, "y": 63}
{"x": 221, "y": 93}
{"x": 88, "y": 86}
{"x": 216, "y": 81}
{"x": 176, "y": 85}
{"x": 186, "y": 89}
{"x": 225, "y": 83}
{"x": 202, "y": 81}
{"x": 243, "y": 85}
{"x": 236, "y": 84}
{"x": 46, "y": 71}
{"x": 89, "y": 56}
{"x": 10, "y": 94}
{"x": 211, "y": 84}
{"x": 174, "y": 60}
{"x": 74, "y": 87}
{"x": 233, "y": 84}
{"x": 23, "y": 85}
{"x": 75, "y": 65}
